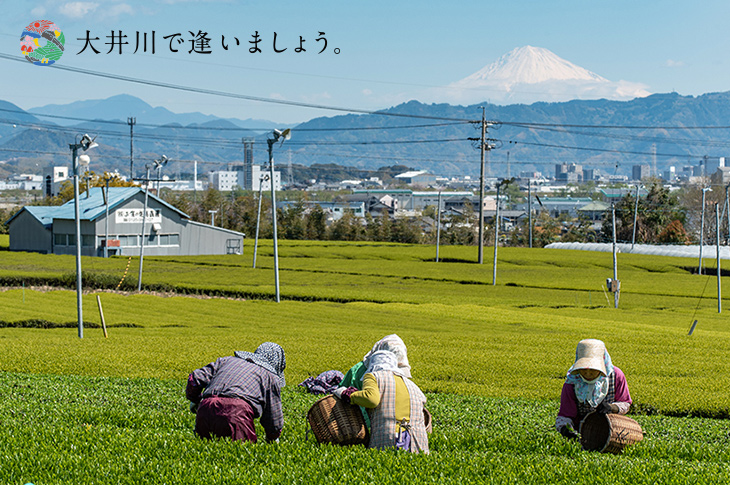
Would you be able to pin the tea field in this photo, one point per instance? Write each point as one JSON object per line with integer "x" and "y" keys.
{"x": 492, "y": 359}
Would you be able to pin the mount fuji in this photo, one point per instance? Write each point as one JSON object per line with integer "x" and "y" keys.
{"x": 529, "y": 74}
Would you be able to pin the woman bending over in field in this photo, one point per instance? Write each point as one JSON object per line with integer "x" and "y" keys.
{"x": 394, "y": 403}
{"x": 593, "y": 384}
{"x": 228, "y": 394}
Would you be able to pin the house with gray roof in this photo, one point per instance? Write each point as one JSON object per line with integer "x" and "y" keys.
{"x": 167, "y": 230}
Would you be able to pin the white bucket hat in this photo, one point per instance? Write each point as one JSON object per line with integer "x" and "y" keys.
{"x": 590, "y": 354}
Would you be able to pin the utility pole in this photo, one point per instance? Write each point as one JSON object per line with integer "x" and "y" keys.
{"x": 636, "y": 213}
{"x": 438, "y": 227}
{"x": 482, "y": 150}
{"x": 131, "y": 122}
{"x": 484, "y": 147}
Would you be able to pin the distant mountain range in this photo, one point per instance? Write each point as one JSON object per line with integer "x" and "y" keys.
{"x": 610, "y": 135}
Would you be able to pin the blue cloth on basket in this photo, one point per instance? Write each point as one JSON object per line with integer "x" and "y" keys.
{"x": 324, "y": 383}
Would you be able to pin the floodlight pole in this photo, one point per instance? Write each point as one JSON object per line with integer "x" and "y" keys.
{"x": 144, "y": 220}
{"x": 106, "y": 221}
{"x": 636, "y": 213}
{"x": 85, "y": 143}
{"x": 271, "y": 142}
{"x": 702, "y": 227}
{"x": 717, "y": 254}
{"x": 258, "y": 219}
{"x": 615, "y": 265}
{"x": 726, "y": 210}
{"x": 438, "y": 227}
{"x": 496, "y": 238}
{"x": 79, "y": 310}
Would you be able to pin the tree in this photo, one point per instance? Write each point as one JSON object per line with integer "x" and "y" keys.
{"x": 316, "y": 223}
{"x": 674, "y": 233}
{"x": 66, "y": 192}
{"x": 655, "y": 212}
{"x": 292, "y": 221}
{"x": 347, "y": 228}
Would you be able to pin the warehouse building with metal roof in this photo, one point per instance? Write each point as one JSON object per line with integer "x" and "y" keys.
{"x": 116, "y": 222}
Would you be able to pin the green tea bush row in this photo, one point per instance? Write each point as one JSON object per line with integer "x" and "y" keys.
{"x": 63, "y": 429}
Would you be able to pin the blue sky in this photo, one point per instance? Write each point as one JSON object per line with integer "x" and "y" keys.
{"x": 389, "y": 52}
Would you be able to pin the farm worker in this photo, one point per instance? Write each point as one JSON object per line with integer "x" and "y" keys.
{"x": 354, "y": 376}
{"x": 593, "y": 383}
{"x": 392, "y": 343}
{"x": 228, "y": 394}
{"x": 394, "y": 402}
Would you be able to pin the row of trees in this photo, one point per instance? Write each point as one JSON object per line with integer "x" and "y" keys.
{"x": 661, "y": 219}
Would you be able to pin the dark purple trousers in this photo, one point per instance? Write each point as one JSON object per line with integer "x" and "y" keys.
{"x": 225, "y": 417}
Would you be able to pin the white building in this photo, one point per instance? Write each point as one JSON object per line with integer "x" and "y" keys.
{"x": 260, "y": 179}
{"x": 53, "y": 178}
{"x": 223, "y": 180}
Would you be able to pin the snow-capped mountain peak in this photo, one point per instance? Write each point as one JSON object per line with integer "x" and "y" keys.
{"x": 529, "y": 74}
{"x": 530, "y": 65}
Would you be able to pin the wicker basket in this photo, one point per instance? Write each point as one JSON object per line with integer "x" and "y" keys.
{"x": 609, "y": 433}
{"x": 332, "y": 421}
{"x": 427, "y": 420}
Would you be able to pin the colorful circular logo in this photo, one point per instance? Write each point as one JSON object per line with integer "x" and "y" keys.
{"x": 42, "y": 43}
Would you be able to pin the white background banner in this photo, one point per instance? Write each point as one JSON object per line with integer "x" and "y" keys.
{"x": 134, "y": 216}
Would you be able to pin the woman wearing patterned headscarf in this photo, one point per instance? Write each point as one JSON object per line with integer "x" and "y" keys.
{"x": 228, "y": 394}
{"x": 394, "y": 344}
{"x": 593, "y": 383}
{"x": 394, "y": 403}
{"x": 353, "y": 380}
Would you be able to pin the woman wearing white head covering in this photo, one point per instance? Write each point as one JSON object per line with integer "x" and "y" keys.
{"x": 395, "y": 405}
{"x": 394, "y": 344}
{"x": 593, "y": 383}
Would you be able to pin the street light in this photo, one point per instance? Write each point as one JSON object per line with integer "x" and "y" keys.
{"x": 158, "y": 165}
{"x": 702, "y": 226}
{"x": 283, "y": 136}
{"x": 86, "y": 143}
{"x": 212, "y": 216}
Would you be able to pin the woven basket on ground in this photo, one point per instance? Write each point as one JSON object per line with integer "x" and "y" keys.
{"x": 609, "y": 433}
{"x": 427, "y": 420}
{"x": 332, "y": 421}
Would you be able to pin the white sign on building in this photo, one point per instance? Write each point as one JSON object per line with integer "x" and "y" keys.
{"x": 134, "y": 216}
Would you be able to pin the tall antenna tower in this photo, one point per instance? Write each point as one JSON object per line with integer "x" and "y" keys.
{"x": 248, "y": 164}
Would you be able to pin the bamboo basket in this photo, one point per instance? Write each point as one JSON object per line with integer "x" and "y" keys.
{"x": 332, "y": 421}
{"x": 427, "y": 421}
{"x": 609, "y": 433}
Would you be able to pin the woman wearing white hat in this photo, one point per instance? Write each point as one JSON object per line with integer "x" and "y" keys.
{"x": 593, "y": 383}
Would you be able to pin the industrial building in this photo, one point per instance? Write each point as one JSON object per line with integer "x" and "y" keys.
{"x": 167, "y": 231}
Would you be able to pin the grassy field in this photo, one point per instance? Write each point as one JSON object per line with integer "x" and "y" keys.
{"x": 491, "y": 358}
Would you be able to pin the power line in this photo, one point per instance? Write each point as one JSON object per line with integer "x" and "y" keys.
{"x": 224, "y": 94}
{"x": 605, "y": 150}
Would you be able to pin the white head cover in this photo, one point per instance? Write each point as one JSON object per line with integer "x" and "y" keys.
{"x": 394, "y": 344}
{"x": 383, "y": 360}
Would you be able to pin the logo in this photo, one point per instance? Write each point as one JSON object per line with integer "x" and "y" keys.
{"x": 42, "y": 42}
